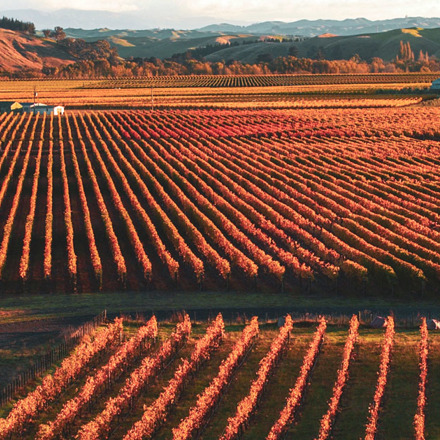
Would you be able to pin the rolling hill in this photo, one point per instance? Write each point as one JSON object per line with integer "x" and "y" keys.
{"x": 20, "y": 51}
{"x": 160, "y": 43}
{"x": 248, "y": 48}
{"x": 384, "y": 45}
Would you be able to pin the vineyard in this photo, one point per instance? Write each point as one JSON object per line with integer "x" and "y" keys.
{"x": 345, "y": 199}
{"x": 213, "y": 81}
{"x": 137, "y": 380}
{"x": 216, "y": 91}
{"x": 268, "y": 80}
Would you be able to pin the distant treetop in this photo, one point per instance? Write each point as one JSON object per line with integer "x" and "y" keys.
{"x": 17, "y": 25}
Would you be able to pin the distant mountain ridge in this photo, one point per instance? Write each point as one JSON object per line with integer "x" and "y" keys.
{"x": 149, "y": 19}
{"x": 312, "y": 28}
{"x": 94, "y": 19}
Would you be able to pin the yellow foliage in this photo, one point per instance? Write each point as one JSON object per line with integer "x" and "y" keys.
{"x": 121, "y": 42}
{"x": 413, "y": 32}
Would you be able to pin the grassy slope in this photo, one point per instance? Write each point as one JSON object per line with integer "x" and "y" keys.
{"x": 359, "y": 391}
{"x": 161, "y": 43}
{"x": 384, "y": 45}
{"x": 283, "y": 379}
{"x": 20, "y": 51}
{"x": 164, "y": 43}
{"x": 402, "y": 392}
{"x": 433, "y": 391}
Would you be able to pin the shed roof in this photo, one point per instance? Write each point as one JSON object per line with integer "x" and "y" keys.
{"x": 10, "y": 104}
{"x": 39, "y": 105}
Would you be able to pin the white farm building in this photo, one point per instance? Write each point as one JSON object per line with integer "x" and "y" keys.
{"x": 44, "y": 108}
{"x": 30, "y": 107}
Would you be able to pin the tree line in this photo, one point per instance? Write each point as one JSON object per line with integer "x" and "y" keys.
{"x": 17, "y": 25}
{"x": 112, "y": 66}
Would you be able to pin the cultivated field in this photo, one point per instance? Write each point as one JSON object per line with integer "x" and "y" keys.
{"x": 250, "y": 195}
{"x": 265, "y": 91}
{"x": 335, "y": 199}
{"x": 254, "y": 381}
{"x": 271, "y": 80}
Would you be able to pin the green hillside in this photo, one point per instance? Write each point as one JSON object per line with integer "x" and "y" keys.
{"x": 384, "y": 45}
{"x": 160, "y": 43}
{"x": 248, "y": 48}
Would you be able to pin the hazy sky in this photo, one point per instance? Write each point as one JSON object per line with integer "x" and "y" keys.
{"x": 248, "y": 11}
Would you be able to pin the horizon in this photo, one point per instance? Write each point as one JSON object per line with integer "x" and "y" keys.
{"x": 183, "y": 14}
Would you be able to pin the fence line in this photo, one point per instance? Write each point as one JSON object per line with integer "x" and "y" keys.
{"x": 44, "y": 362}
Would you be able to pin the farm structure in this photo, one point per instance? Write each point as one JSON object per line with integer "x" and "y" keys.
{"x": 31, "y": 107}
{"x": 9, "y": 106}
{"x": 435, "y": 86}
